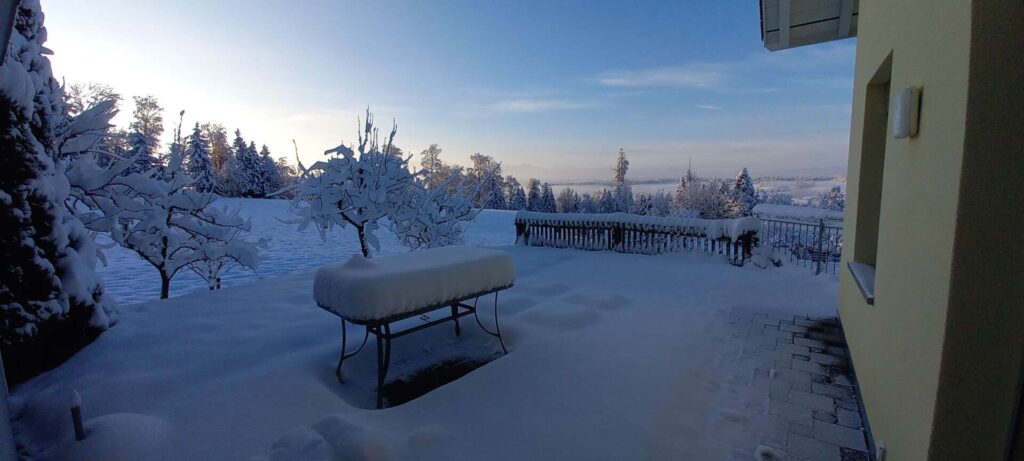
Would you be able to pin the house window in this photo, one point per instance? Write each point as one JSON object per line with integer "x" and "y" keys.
{"x": 869, "y": 182}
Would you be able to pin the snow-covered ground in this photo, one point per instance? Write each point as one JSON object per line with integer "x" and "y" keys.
{"x": 612, "y": 356}
{"x": 131, "y": 280}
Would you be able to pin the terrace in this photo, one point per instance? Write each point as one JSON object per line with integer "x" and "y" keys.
{"x": 612, "y": 356}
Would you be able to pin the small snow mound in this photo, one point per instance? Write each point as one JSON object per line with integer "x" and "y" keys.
{"x": 763, "y": 453}
{"x": 560, "y": 316}
{"x": 350, "y": 441}
{"x": 117, "y": 436}
{"x": 764, "y": 257}
{"x": 301, "y": 444}
{"x": 426, "y": 440}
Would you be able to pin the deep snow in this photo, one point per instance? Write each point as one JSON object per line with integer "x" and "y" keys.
{"x": 132, "y": 280}
{"x": 612, "y": 356}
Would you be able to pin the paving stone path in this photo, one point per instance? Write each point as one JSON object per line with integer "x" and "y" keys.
{"x": 807, "y": 408}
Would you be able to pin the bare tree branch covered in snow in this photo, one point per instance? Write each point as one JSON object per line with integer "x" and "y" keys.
{"x": 359, "y": 187}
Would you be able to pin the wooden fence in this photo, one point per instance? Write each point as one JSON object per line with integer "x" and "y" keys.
{"x": 627, "y": 233}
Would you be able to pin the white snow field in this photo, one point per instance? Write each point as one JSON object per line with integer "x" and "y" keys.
{"x": 611, "y": 356}
{"x": 130, "y": 279}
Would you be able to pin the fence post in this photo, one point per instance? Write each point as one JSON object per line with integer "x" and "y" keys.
{"x": 818, "y": 247}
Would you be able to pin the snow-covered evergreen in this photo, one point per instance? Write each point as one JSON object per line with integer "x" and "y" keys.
{"x": 243, "y": 169}
{"x": 197, "y": 162}
{"x": 516, "y": 194}
{"x": 587, "y": 203}
{"x": 743, "y": 196}
{"x": 623, "y": 192}
{"x": 269, "y": 174}
{"x": 606, "y": 202}
{"x": 51, "y": 300}
{"x": 144, "y": 160}
{"x": 547, "y": 199}
{"x": 533, "y": 201}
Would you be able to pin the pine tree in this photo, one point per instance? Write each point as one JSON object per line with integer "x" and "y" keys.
{"x": 834, "y": 199}
{"x": 51, "y": 299}
{"x": 144, "y": 161}
{"x": 273, "y": 177}
{"x": 743, "y": 196}
{"x": 623, "y": 191}
{"x": 587, "y": 203}
{"x": 518, "y": 199}
{"x": 606, "y": 203}
{"x": 198, "y": 164}
{"x": 242, "y": 170}
{"x": 547, "y": 199}
{"x": 533, "y": 201}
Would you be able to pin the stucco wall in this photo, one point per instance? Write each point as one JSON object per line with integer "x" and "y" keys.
{"x": 938, "y": 356}
{"x": 896, "y": 344}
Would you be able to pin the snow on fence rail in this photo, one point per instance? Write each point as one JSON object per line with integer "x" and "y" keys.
{"x": 628, "y": 233}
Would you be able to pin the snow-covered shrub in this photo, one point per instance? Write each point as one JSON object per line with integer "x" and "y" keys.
{"x": 164, "y": 219}
{"x": 360, "y": 187}
{"x": 51, "y": 300}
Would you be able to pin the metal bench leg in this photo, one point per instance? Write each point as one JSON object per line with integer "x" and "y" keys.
{"x": 497, "y": 328}
{"x": 344, "y": 346}
{"x": 383, "y": 360}
{"x": 455, "y": 318}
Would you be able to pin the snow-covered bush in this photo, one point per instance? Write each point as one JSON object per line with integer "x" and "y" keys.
{"x": 51, "y": 300}
{"x": 361, "y": 187}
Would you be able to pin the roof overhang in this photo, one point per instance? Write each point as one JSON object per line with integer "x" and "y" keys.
{"x": 792, "y": 23}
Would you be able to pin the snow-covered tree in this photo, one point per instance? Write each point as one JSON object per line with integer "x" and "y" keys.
{"x": 431, "y": 164}
{"x": 587, "y": 203}
{"x": 433, "y": 217}
{"x": 197, "y": 162}
{"x": 833, "y": 199}
{"x": 148, "y": 120}
{"x": 516, "y": 194}
{"x": 622, "y": 190}
{"x": 533, "y": 201}
{"x": 144, "y": 160}
{"x": 243, "y": 169}
{"x": 220, "y": 149}
{"x": 643, "y": 205}
{"x": 52, "y": 301}
{"x": 487, "y": 172}
{"x": 661, "y": 204}
{"x": 547, "y": 199}
{"x": 707, "y": 198}
{"x": 270, "y": 175}
{"x": 606, "y": 202}
{"x": 359, "y": 187}
{"x": 776, "y": 197}
{"x": 165, "y": 220}
{"x": 743, "y": 196}
{"x": 568, "y": 201}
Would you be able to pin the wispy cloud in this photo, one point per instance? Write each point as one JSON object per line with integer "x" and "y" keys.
{"x": 689, "y": 76}
{"x": 540, "y": 105}
{"x": 708, "y": 107}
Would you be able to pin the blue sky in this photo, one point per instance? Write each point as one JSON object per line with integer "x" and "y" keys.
{"x": 551, "y": 89}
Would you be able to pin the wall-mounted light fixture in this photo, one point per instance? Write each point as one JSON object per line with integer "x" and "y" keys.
{"x": 906, "y": 109}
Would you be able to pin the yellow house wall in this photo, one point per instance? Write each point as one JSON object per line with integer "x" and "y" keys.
{"x": 896, "y": 344}
{"x": 938, "y": 356}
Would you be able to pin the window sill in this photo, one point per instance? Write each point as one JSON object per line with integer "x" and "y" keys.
{"x": 864, "y": 275}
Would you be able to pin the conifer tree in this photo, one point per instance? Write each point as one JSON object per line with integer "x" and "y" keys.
{"x": 533, "y": 201}
{"x": 197, "y": 162}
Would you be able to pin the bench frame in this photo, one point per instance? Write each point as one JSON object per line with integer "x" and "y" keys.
{"x": 381, "y": 329}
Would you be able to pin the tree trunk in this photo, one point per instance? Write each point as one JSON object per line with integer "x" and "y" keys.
{"x": 362, "y": 241}
{"x": 165, "y": 286}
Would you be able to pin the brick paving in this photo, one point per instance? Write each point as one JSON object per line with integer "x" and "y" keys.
{"x": 806, "y": 408}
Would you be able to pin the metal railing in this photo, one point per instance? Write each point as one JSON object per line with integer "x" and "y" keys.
{"x": 818, "y": 246}
{"x": 624, "y": 233}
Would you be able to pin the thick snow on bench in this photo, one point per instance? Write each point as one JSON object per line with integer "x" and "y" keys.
{"x": 374, "y": 289}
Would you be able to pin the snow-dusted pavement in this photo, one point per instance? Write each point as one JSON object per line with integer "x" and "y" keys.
{"x": 612, "y": 356}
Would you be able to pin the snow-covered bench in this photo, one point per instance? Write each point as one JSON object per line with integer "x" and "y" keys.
{"x": 378, "y": 292}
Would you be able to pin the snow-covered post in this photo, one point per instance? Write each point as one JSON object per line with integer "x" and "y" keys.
{"x": 76, "y": 415}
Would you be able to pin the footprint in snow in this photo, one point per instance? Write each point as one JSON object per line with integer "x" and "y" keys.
{"x": 562, "y": 316}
